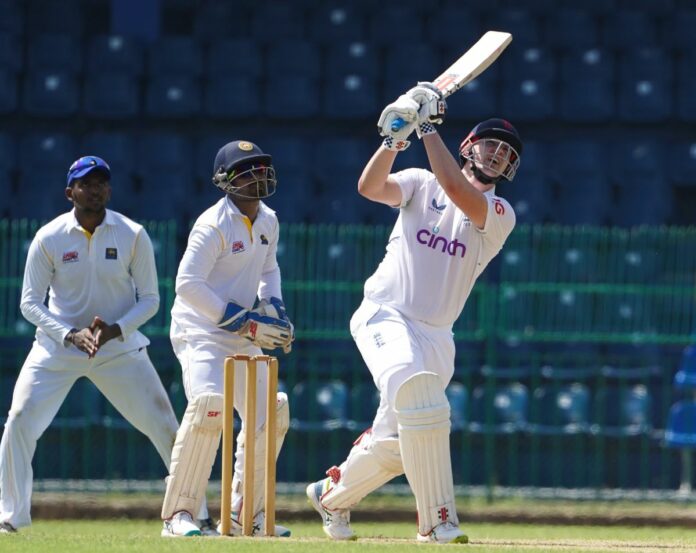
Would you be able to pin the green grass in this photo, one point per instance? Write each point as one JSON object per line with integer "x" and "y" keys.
{"x": 131, "y": 536}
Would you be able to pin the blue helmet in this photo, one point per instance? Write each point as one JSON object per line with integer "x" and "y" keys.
{"x": 242, "y": 169}
{"x": 85, "y": 165}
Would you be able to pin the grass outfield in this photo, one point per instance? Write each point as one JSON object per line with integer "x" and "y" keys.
{"x": 125, "y": 535}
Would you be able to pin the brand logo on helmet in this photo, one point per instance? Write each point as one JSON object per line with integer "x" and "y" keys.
{"x": 434, "y": 242}
{"x": 246, "y": 146}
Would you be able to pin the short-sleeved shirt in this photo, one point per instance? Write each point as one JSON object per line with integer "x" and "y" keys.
{"x": 224, "y": 261}
{"x": 110, "y": 273}
{"x": 435, "y": 253}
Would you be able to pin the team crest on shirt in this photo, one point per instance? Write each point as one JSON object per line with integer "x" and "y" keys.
{"x": 264, "y": 240}
{"x": 437, "y": 208}
{"x": 111, "y": 253}
{"x": 237, "y": 246}
{"x": 70, "y": 257}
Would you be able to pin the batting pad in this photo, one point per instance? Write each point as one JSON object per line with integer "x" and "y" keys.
{"x": 370, "y": 464}
{"x": 422, "y": 412}
{"x": 282, "y": 425}
{"x": 196, "y": 445}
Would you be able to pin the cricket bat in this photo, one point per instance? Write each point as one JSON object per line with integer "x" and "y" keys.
{"x": 473, "y": 62}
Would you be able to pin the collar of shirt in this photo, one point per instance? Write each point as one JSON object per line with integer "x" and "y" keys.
{"x": 73, "y": 223}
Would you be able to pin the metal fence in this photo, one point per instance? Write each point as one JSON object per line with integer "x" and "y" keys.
{"x": 566, "y": 353}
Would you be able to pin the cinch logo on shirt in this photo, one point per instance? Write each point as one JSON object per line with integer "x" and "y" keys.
{"x": 434, "y": 242}
{"x": 70, "y": 257}
{"x": 436, "y": 208}
{"x": 111, "y": 253}
{"x": 237, "y": 246}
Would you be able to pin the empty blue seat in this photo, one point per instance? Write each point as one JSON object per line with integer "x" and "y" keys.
{"x": 584, "y": 64}
{"x": 319, "y": 405}
{"x": 111, "y": 95}
{"x": 571, "y": 28}
{"x": 635, "y": 157}
{"x": 586, "y": 101}
{"x": 503, "y": 410}
{"x": 166, "y": 153}
{"x": 528, "y": 99}
{"x": 55, "y": 53}
{"x": 364, "y": 401}
{"x": 564, "y": 311}
{"x": 175, "y": 55}
{"x": 115, "y": 53}
{"x": 338, "y": 21}
{"x": 204, "y": 154}
{"x": 623, "y": 314}
{"x": 41, "y": 194}
{"x": 8, "y": 91}
{"x": 47, "y": 150}
{"x": 235, "y": 97}
{"x": 531, "y": 62}
{"x": 560, "y": 409}
{"x": 212, "y": 20}
{"x": 584, "y": 198}
{"x": 12, "y": 20}
{"x": 293, "y": 57}
{"x": 405, "y": 65}
{"x": 55, "y": 17}
{"x": 644, "y": 101}
{"x": 292, "y": 97}
{"x": 476, "y": 100}
{"x": 624, "y": 29}
{"x": 8, "y": 152}
{"x": 51, "y": 93}
{"x": 622, "y": 411}
{"x": 355, "y": 57}
{"x": 277, "y": 21}
{"x": 231, "y": 58}
{"x": 457, "y": 26}
{"x": 681, "y": 425}
{"x": 685, "y": 379}
{"x": 395, "y": 24}
{"x": 350, "y": 96}
{"x": 686, "y": 100}
{"x": 644, "y": 200}
{"x": 682, "y": 164}
{"x": 345, "y": 155}
{"x": 83, "y": 406}
{"x": 529, "y": 195}
{"x": 161, "y": 198}
{"x": 458, "y": 397}
{"x": 291, "y": 153}
{"x": 523, "y": 25}
{"x": 678, "y": 30}
{"x": 646, "y": 64}
{"x": 173, "y": 96}
{"x": 117, "y": 148}
{"x": 11, "y": 52}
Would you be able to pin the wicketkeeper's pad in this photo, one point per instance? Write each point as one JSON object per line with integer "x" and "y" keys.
{"x": 196, "y": 445}
{"x": 422, "y": 412}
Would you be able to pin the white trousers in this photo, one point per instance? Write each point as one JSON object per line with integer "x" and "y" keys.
{"x": 128, "y": 380}
{"x": 394, "y": 349}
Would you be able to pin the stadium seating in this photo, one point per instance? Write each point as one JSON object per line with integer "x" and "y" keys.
{"x": 111, "y": 95}
{"x": 8, "y": 92}
{"x": 51, "y": 93}
{"x": 54, "y": 52}
{"x": 681, "y": 425}
{"x": 115, "y": 54}
{"x": 11, "y": 54}
{"x": 319, "y": 405}
{"x": 622, "y": 411}
{"x": 502, "y": 410}
{"x": 560, "y": 409}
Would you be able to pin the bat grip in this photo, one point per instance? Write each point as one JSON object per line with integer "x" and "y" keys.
{"x": 397, "y": 124}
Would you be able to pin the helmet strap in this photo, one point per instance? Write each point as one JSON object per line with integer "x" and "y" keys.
{"x": 481, "y": 176}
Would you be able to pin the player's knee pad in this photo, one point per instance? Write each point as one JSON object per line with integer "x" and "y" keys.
{"x": 282, "y": 425}
{"x": 422, "y": 412}
{"x": 195, "y": 448}
{"x": 370, "y": 464}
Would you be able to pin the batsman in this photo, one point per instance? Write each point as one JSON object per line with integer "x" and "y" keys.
{"x": 450, "y": 225}
{"x": 229, "y": 264}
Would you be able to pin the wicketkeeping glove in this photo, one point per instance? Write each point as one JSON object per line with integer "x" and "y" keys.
{"x": 274, "y": 328}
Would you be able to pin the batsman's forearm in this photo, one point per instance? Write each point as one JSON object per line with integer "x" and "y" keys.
{"x": 373, "y": 181}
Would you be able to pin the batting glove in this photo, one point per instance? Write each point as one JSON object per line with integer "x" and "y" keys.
{"x": 432, "y": 104}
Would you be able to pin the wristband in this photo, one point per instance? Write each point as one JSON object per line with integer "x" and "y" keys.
{"x": 390, "y": 143}
{"x": 425, "y": 128}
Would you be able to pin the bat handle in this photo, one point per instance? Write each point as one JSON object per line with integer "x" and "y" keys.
{"x": 397, "y": 124}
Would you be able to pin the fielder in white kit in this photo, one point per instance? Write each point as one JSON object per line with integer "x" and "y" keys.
{"x": 230, "y": 261}
{"x": 450, "y": 226}
{"x": 93, "y": 261}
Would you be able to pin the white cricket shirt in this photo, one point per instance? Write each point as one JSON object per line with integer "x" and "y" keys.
{"x": 88, "y": 276}
{"x": 435, "y": 253}
{"x": 226, "y": 259}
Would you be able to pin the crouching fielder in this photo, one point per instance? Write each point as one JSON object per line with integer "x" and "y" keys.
{"x": 450, "y": 225}
{"x": 230, "y": 260}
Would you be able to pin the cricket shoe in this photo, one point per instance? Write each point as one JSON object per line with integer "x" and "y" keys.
{"x": 207, "y": 527}
{"x": 337, "y": 522}
{"x": 447, "y": 532}
{"x": 179, "y": 526}
{"x": 258, "y": 526}
{"x": 7, "y": 528}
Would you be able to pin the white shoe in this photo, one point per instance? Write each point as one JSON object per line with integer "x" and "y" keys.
{"x": 7, "y": 528}
{"x": 179, "y": 526}
{"x": 336, "y": 523}
{"x": 258, "y": 526}
{"x": 447, "y": 532}
{"x": 207, "y": 527}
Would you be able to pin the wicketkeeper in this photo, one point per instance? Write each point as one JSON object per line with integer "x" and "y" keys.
{"x": 229, "y": 263}
{"x": 450, "y": 225}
